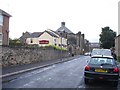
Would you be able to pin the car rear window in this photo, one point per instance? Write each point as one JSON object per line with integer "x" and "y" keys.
{"x": 99, "y": 61}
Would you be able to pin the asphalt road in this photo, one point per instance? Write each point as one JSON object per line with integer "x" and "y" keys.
{"x": 63, "y": 75}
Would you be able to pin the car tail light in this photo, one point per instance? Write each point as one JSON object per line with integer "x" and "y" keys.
{"x": 87, "y": 68}
{"x": 115, "y": 70}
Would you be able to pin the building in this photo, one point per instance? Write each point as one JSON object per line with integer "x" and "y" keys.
{"x": 87, "y": 46}
{"x": 4, "y": 28}
{"x": 117, "y": 45}
{"x": 46, "y": 38}
{"x": 119, "y": 18}
{"x": 94, "y": 45}
{"x": 117, "y": 39}
{"x": 75, "y": 42}
{"x": 64, "y": 29}
{"x": 24, "y": 36}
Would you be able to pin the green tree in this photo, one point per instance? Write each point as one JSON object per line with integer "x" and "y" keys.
{"x": 14, "y": 42}
{"x": 107, "y": 38}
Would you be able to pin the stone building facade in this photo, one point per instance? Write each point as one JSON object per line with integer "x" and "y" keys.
{"x": 75, "y": 42}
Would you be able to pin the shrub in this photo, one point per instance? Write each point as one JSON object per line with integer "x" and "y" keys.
{"x": 56, "y": 47}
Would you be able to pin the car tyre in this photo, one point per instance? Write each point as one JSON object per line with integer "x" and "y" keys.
{"x": 86, "y": 81}
{"x": 115, "y": 84}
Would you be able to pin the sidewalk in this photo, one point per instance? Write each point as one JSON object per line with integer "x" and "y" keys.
{"x": 8, "y": 71}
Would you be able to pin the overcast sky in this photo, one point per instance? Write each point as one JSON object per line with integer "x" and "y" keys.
{"x": 87, "y": 16}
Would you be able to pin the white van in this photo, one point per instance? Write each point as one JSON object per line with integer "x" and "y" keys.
{"x": 106, "y": 52}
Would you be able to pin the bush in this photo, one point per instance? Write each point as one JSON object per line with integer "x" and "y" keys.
{"x": 56, "y": 47}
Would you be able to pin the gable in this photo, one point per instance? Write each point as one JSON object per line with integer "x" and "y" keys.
{"x": 45, "y": 35}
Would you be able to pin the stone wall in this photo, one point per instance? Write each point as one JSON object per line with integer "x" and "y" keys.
{"x": 20, "y": 56}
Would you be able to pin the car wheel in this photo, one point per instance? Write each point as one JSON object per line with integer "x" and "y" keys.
{"x": 86, "y": 81}
{"x": 115, "y": 84}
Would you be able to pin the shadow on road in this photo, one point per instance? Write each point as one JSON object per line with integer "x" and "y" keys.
{"x": 102, "y": 85}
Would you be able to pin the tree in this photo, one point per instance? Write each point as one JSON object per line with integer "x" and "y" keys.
{"x": 14, "y": 42}
{"x": 107, "y": 38}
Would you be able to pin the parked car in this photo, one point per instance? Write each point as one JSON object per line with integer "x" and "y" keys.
{"x": 106, "y": 52}
{"x": 87, "y": 54}
{"x": 103, "y": 68}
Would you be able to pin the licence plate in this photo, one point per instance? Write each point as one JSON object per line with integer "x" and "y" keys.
{"x": 100, "y": 70}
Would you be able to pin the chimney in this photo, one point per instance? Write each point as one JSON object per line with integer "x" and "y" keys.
{"x": 23, "y": 33}
{"x": 62, "y": 24}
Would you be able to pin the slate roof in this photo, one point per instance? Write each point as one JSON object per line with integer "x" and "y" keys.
{"x": 4, "y": 13}
{"x": 35, "y": 34}
{"x": 52, "y": 34}
{"x": 26, "y": 35}
{"x": 63, "y": 28}
{"x": 38, "y": 34}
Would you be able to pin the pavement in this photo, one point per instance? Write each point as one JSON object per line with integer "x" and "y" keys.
{"x": 14, "y": 70}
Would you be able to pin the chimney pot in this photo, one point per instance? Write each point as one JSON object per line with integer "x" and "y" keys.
{"x": 62, "y": 23}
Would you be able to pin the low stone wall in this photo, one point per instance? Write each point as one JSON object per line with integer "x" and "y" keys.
{"x": 20, "y": 56}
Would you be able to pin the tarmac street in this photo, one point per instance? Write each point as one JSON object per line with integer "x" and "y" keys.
{"x": 69, "y": 74}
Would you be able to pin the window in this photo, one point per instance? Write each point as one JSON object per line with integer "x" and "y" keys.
{"x": 0, "y": 36}
{"x": 31, "y": 40}
{"x": 0, "y": 39}
{"x": 54, "y": 40}
{"x": 99, "y": 61}
{"x": 1, "y": 20}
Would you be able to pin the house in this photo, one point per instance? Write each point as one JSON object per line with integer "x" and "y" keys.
{"x": 4, "y": 28}
{"x": 117, "y": 45}
{"x": 24, "y": 36}
{"x": 94, "y": 45}
{"x": 75, "y": 42}
{"x": 117, "y": 39}
{"x": 63, "y": 28}
{"x": 46, "y": 38}
{"x": 87, "y": 46}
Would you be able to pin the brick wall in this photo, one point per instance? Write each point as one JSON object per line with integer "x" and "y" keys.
{"x": 117, "y": 45}
{"x": 5, "y": 29}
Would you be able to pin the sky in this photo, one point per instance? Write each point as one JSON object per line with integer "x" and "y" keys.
{"x": 87, "y": 16}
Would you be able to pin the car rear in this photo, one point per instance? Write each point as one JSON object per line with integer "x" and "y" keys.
{"x": 101, "y": 68}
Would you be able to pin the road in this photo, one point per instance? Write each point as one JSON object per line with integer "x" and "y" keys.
{"x": 63, "y": 75}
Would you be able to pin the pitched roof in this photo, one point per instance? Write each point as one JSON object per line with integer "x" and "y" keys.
{"x": 35, "y": 34}
{"x": 63, "y": 28}
{"x": 4, "y": 13}
{"x": 25, "y": 35}
{"x": 51, "y": 33}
